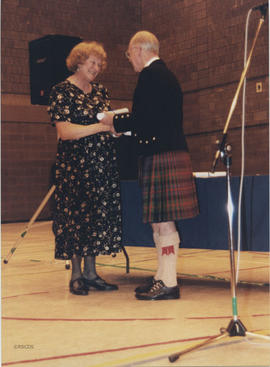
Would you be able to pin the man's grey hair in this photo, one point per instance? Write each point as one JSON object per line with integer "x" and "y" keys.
{"x": 147, "y": 40}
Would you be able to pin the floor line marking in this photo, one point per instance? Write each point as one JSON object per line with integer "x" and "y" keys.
{"x": 24, "y": 294}
{"x": 205, "y": 277}
{"x": 88, "y": 320}
{"x": 104, "y": 351}
{"x": 245, "y": 269}
{"x": 221, "y": 317}
{"x": 108, "y": 350}
{"x": 34, "y": 273}
{"x": 155, "y": 356}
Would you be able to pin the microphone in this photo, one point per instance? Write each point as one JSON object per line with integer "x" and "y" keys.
{"x": 219, "y": 152}
{"x": 263, "y": 8}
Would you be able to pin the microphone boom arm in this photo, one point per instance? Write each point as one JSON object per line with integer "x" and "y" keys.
{"x": 235, "y": 99}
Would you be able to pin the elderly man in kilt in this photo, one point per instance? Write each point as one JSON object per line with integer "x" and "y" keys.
{"x": 165, "y": 172}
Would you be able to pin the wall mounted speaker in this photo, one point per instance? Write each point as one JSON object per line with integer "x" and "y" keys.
{"x": 47, "y": 57}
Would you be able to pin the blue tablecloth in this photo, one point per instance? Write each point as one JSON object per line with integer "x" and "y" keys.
{"x": 209, "y": 230}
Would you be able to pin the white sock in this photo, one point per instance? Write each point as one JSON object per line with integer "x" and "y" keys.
{"x": 169, "y": 245}
{"x": 158, "y": 247}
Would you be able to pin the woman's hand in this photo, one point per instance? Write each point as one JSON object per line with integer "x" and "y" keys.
{"x": 104, "y": 127}
{"x": 108, "y": 121}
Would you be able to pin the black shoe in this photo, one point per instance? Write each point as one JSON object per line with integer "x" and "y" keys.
{"x": 77, "y": 287}
{"x": 160, "y": 292}
{"x": 147, "y": 286}
{"x": 99, "y": 284}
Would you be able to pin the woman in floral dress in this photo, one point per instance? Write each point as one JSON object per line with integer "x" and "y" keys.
{"x": 87, "y": 218}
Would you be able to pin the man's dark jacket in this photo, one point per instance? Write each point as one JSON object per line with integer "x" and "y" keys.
{"x": 156, "y": 118}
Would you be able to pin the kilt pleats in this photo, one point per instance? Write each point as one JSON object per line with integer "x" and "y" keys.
{"x": 168, "y": 187}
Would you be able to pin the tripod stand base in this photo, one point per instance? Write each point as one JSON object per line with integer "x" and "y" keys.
{"x": 235, "y": 328}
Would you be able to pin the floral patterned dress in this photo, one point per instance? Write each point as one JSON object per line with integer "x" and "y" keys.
{"x": 87, "y": 217}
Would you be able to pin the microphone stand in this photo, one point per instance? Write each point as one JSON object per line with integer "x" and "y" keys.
{"x": 235, "y": 99}
{"x": 235, "y": 327}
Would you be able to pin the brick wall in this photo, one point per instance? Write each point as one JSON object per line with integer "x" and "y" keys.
{"x": 108, "y": 21}
{"x": 28, "y": 150}
{"x": 201, "y": 41}
{"x": 28, "y": 140}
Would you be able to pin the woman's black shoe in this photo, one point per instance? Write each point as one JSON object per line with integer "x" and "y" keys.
{"x": 78, "y": 287}
{"x": 99, "y": 284}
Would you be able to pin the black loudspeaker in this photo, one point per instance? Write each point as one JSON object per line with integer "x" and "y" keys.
{"x": 47, "y": 57}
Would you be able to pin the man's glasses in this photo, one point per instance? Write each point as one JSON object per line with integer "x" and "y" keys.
{"x": 127, "y": 54}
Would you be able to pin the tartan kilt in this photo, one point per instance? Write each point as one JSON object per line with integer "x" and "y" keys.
{"x": 168, "y": 187}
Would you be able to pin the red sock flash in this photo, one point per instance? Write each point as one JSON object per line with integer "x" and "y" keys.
{"x": 167, "y": 250}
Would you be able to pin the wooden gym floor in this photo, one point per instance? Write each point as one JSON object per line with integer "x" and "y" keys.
{"x": 43, "y": 325}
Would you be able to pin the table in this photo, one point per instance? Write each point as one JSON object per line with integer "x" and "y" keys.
{"x": 209, "y": 230}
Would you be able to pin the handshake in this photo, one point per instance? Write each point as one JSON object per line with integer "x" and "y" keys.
{"x": 106, "y": 118}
